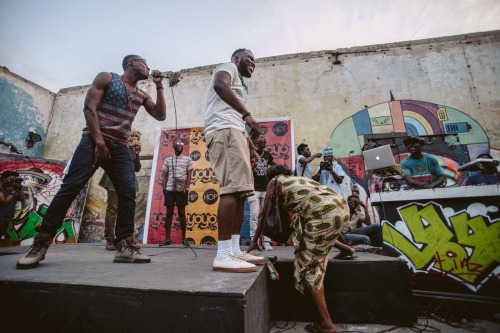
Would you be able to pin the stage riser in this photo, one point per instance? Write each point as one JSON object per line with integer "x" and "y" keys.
{"x": 35, "y": 307}
{"x": 356, "y": 292}
{"x": 77, "y": 289}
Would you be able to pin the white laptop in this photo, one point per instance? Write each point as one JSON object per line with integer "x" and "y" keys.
{"x": 379, "y": 158}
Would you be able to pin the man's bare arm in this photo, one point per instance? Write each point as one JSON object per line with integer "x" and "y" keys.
{"x": 93, "y": 99}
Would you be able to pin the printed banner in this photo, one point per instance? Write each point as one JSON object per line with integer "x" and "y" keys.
{"x": 203, "y": 197}
{"x": 42, "y": 178}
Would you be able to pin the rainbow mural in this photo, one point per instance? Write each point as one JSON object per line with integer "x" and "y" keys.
{"x": 452, "y": 136}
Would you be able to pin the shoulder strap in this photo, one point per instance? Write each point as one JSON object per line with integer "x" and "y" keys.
{"x": 276, "y": 190}
{"x": 303, "y": 169}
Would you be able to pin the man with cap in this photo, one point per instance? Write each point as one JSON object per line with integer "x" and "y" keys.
{"x": 329, "y": 172}
{"x": 421, "y": 171}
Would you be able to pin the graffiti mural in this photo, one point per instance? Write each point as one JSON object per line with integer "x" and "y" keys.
{"x": 448, "y": 236}
{"x": 204, "y": 190}
{"x": 42, "y": 179}
{"x": 452, "y": 136}
{"x": 455, "y": 245}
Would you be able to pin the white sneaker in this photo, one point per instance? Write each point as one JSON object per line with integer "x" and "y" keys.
{"x": 267, "y": 246}
{"x": 233, "y": 265}
{"x": 245, "y": 256}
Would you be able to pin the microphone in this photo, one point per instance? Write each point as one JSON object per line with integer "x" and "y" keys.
{"x": 160, "y": 75}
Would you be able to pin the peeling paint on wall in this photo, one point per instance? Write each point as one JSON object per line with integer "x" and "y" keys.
{"x": 19, "y": 114}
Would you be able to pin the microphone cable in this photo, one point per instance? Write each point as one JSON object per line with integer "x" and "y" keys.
{"x": 171, "y": 84}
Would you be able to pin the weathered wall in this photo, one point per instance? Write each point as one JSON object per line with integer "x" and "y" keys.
{"x": 458, "y": 71}
{"x": 23, "y": 105}
{"x": 318, "y": 90}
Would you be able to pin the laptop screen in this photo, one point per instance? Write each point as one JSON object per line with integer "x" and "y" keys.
{"x": 379, "y": 158}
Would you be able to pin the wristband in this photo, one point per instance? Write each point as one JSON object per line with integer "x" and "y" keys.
{"x": 159, "y": 87}
{"x": 253, "y": 148}
{"x": 246, "y": 115}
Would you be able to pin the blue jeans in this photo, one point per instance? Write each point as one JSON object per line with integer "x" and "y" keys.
{"x": 369, "y": 235}
{"x": 120, "y": 169}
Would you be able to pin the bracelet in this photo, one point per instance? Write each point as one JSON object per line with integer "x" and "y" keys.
{"x": 159, "y": 87}
{"x": 253, "y": 148}
{"x": 246, "y": 115}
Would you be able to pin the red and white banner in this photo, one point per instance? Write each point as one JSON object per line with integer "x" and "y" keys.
{"x": 203, "y": 197}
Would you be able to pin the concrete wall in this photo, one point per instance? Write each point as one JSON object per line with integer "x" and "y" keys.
{"x": 23, "y": 105}
{"x": 317, "y": 90}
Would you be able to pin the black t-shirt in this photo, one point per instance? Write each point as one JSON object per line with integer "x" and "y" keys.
{"x": 260, "y": 172}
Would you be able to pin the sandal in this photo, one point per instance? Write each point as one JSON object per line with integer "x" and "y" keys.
{"x": 316, "y": 328}
{"x": 345, "y": 256}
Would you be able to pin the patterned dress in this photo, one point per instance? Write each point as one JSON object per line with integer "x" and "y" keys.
{"x": 320, "y": 215}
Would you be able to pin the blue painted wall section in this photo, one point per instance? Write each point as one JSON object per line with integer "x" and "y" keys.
{"x": 18, "y": 114}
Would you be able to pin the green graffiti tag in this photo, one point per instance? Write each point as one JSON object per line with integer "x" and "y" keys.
{"x": 65, "y": 234}
{"x": 465, "y": 248}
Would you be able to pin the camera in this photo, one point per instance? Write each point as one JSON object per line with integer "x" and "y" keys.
{"x": 17, "y": 183}
{"x": 325, "y": 166}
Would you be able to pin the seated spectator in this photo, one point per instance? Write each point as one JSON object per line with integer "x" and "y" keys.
{"x": 354, "y": 232}
{"x": 421, "y": 171}
{"x": 488, "y": 174}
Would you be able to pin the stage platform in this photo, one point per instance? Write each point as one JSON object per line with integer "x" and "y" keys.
{"x": 78, "y": 288}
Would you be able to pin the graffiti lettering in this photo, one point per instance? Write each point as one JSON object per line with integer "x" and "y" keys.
{"x": 24, "y": 228}
{"x": 465, "y": 249}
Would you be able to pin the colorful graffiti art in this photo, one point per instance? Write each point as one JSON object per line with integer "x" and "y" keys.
{"x": 42, "y": 179}
{"x": 451, "y": 135}
{"x": 441, "y": 243}
{"x": 204, "y": 190}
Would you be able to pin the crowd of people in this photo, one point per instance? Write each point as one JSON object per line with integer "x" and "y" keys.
{"x": 323, "y": 216}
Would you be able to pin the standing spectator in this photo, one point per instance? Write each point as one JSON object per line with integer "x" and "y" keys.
{"x": 329, "y": 172}
{"x": 110, "y": 107}
{"x": 134, "y": 144}
{"x": 421, "y": 171}
{"x": 260, "y": 185}
{"x": 175, "y": 180}
{"x": 228, "y": 148}
{"x": 11, "y": 191}
{"x": 303, "y": 168}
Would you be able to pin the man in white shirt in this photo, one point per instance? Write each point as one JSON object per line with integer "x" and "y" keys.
{"x": 329, "y": 172}
{"x": 229, "y": 151}
{"x": 303, "y": 168}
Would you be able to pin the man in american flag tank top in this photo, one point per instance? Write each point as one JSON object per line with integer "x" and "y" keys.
{"x": 110, "y": 107}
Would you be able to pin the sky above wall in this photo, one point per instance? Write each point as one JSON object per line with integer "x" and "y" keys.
{"x": 65, "y": 43}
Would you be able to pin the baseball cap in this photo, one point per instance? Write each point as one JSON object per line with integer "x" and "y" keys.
{"x": 413, "y": 138}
